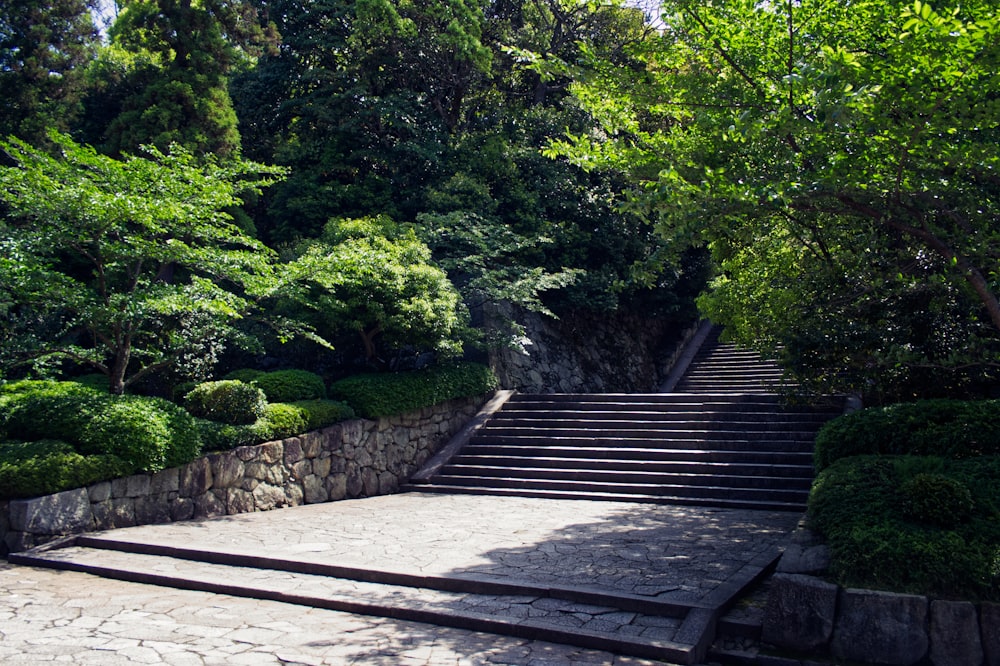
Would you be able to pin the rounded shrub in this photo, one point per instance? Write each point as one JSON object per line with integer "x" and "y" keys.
{"x": 936, "y": 499}
{"x": 247, "y": 375}
{"x": 948, "y": 428}
{"x": 282, "y": 420}
{"x": 228, "y": 401}
{"x": 33, "y": 410}
{"x": 291, "y": 385}
{"x": 321, "y": 413}
{"x": 149, "y": 434}
{"x": 43, "y": 467}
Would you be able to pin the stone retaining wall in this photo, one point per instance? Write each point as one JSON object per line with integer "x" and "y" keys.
{"x": 357, "y": 458}
{"x": 809, "y": 616}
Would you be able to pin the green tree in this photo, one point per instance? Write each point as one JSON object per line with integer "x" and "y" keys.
{"x": 128, "y": 266}
{"x": 44, "y": 46}
{"x": 837, "y": 157}
{"x": 375, "y": 279}
{"x": 174, "y": 87}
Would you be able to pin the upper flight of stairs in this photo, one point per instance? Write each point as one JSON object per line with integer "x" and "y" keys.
{"x": 724, "y": 437}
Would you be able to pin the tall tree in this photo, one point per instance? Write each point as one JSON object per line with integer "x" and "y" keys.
{"x": 44, "y": 46}
{"x": 178, "y": 92}
{"x": 791, "y": 136}
{"x": 125, "y": 267}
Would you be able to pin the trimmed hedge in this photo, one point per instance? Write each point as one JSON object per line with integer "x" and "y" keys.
{"x": 948, "y": 428}
{"x": 280, "y": 420}
{"x": 377, "y": 395}
{"x": 246, "y": 375}
{"x": 31, "y": 469}
{"x": 322, "y": 413}
{"x": 291, "y": 385}
{"x": 229, "y": 401}
{"x": 884, "y": 520}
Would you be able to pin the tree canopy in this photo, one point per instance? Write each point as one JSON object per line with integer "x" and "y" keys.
{"x": 840, "y": 160}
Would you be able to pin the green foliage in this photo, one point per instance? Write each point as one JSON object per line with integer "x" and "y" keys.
{"x": 949, "y": 428}
{"x": 137, "y": 256}
{"x": 836, "y": 159}
{"x": 149, "y": 434}
{"x": 376, "y": 395}
{"x": 282, "y": 420}
{"x": 290, "y": 385}
{"x": 936, "y": 499}
{"x": 322, "y": 413}
{"x": 229, "y": 401}
{"x": 43, "y": 47}
{"x": 863, "y": 506}
{"x": 43, "y": 467}
{"x": 375, "y": 279}
{"x": 247, "y": 375}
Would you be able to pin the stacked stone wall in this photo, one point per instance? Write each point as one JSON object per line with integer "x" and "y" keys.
{"x": 357, "y": 458}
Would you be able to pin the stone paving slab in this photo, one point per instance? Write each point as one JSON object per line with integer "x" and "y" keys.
{"x": 668, "y": 553}
{"x": 49, "y": 616}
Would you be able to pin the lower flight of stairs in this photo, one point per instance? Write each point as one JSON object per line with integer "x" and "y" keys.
{"x": 726, "y": 450}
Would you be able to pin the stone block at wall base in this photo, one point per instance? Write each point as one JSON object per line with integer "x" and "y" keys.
{"x": 800, "y": 612}
{"x": 880, "y": 627}
{"x": 955, "y": 634}
{"x": 989, "y": 625}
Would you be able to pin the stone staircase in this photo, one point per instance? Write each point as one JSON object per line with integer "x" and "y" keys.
{"x": 725, "y": 437}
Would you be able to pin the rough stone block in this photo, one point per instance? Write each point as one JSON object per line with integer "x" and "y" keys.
{"x": 137, "y": 485}
{"x": 165, "y": 481}
{"x": 247, "y": 453}
{"x": 800, "y": 612}
{"x": 336, "y": 486}
{"x": 294, "y": 495}
{"x": 271, "y": 452}
{"x": 387, "y": 483}
{"x": 369, "y": 482}
{"x": 99, "y": 492}
{"x": 955, "y": 634}
{"x": 266, "y": 473}
{"x": 293, "y": 451}
{"x": 152, "y": 510}
{"x": 354, "y": 485}
{"x": 321, "y": 467}
{"x": 881, "y": 627}
{"x": 312, "y": 443}
{"x": 195, "y": 478}
{"x": 208, "y": 505}
{"x": 989, "y": 627}
{"x": 182, "y": 508}
{"x": 102, "y": 515}
{"x": 804, "y": 559}
{"x": 238, "y": 501}
{"x": 67, "y": 512}
{"x": 267, "y": 497}
{"x": 121, "y": 512}
{"x": 227, "y": 470}
{"x": 314, "y": 489}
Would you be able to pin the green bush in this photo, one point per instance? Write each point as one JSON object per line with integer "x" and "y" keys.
{"x": 321, "y": 413}
{"x": 245, "y": 375}
{"x": 949, "y": 428}
{"x": 147, "y": 433}
{"x": 283, "y": 420}
{"x": 376, "y": 395}
{"x": 291, "y": 385}
{"x": 936, "y": 499}
{"x": 32, "y": 469}
{"x": 863, "y": 505}
{"x": 32, "y": 410}
{"x": 96, "y": 381}
{"x": 229, "y": 401}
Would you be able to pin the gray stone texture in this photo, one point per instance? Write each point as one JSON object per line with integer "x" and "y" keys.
{"x": 798, "y": 559}
{"x": 63, "y": 513}
{"x": 800, "y": 612}
{"x": 880, "y": 627}
{"x": 989, "y": 627}
{"x": 955, "y": 634}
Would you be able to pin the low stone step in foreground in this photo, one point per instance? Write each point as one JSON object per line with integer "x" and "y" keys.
{"x": 636, "y": 579}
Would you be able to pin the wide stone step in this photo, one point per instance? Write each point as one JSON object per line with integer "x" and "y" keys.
{"x": 641, "y": 454}
{"x": 716, "y": 408}
{"x": 642, "y": 440}
{"x": 612, "y": 496}
{"x": 637, "y": 430}
{"x": 730, "y": 418}
{"x": 621, "y": 477}
{"x": 689, "y": 467}
{"x": 596, "y": 488}
{"x": 626, "y": 624}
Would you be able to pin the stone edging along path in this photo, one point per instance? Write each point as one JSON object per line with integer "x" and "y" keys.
{"x": 357, "y": 458}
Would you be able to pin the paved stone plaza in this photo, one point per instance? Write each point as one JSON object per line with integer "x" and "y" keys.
{"x": 668, "y": 553}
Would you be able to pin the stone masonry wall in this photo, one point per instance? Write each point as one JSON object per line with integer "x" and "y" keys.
{"x": 585, "y": 353}
{"x": 357, "y": 458}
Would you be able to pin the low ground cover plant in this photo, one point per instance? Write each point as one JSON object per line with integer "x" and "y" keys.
{"x": 908, "y": 498}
